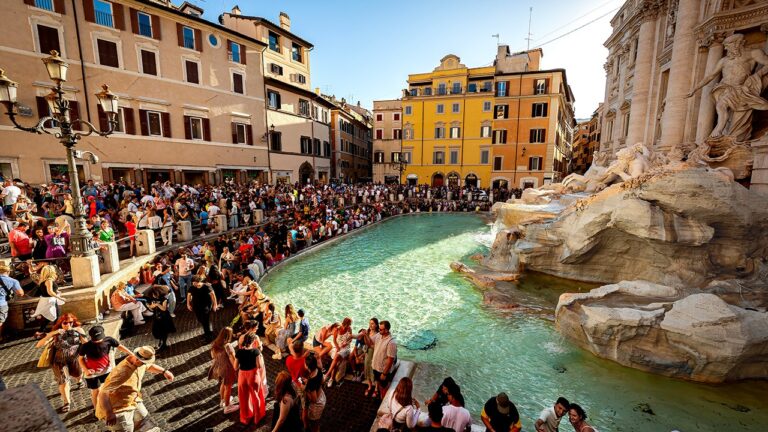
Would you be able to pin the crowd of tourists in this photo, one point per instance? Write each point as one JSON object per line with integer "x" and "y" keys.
{"x": 206, "y": 274}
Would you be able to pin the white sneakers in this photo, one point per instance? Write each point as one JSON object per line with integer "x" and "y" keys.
{"x": 231, "y": 408}
{"x": 278, "y": 356}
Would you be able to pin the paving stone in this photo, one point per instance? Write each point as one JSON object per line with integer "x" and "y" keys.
{"x": 191, "y": 401}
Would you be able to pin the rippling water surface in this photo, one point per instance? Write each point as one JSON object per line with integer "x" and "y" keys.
{"x": 398, "y": 270}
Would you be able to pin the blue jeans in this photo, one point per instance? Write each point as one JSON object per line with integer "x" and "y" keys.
{"x": 184, "y": 283}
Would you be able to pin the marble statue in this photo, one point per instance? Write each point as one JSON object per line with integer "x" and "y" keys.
{"x": 737, "y": 94}
{"x": 587, "y": 182}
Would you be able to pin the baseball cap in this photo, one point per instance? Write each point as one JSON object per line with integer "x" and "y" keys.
{"x": 96, "y": 332}
{"x": 502, "y": 403}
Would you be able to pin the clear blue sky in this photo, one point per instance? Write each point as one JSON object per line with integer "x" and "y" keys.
{"x": 364, "y": 50}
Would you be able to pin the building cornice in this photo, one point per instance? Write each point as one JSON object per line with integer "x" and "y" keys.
{"x": 722, "y": 23}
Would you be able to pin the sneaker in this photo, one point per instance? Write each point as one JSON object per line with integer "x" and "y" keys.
{"x": 173, "y": 315}
{"x": 330, "y": 383}
{"x": 277, "y": 356}
{"x": 231, "y": 408}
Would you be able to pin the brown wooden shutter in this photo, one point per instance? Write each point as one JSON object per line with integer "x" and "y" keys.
{"x": 58, "y": 6}
{"x": 156, "y": 31}
{"x": 206, "y": 129}
{"x": 187, "y": 128}
{"x": 242, "y": 54}
{"x": 180, "y": 33}
{"x": 130, "y": 124}
{"x": 117, "y": 9}
{"x": 29, "y": 2}
{"x": 249, "y": 133}
{"x": 198, "y": 40}
{"x": 229, "y": 49}
{"x": 90, "y": 15}
{"x": 74, "y": 115}
{"x": 134, "y": 14}
{"x": 234, "y": 132}
{"x": 103, "y": 122}
{"x": 166, "y": 124}
{"x": 143, "y": 122}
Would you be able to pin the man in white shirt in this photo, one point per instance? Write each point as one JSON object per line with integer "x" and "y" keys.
{"x": 10, "y": 195}
{"x": 184, "y": 267}
{"x": 455, "y": 416}
{"x": 384, "y": 356}
{"x": 549, "y": 419}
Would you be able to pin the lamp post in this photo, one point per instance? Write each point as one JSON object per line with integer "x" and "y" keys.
{"x": 59, "y": 109}
{"x": 400, "y": 166}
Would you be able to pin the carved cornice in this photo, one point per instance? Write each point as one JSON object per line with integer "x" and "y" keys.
{"x": 611, "y": 113}
{"x": 714, "y": 38}
{"x": 626, "y": 105}
{"x": 727, "y": 22}
{"x": 649, "y": 10}
{"x": 665, "y": 57}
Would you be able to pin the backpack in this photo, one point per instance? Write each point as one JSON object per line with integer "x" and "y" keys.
{"x": 9, "y": 293}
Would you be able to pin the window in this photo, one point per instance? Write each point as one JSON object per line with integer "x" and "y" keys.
{"x": 534, "y": 163}
{"x": 213, "y": 40}
{"x": 455, "y": 108}
{"x": 625, "y": 125}
{"x": 441, "y": 89}
{"x": 428, "y": 91}
{"x": 486, "y": 86}
{"x": 48, "y": 38}
{"x": 379, "y": 117}
{"x": 145, "y": 24}
{"x": 120, "y": 126}
{"x": 275, "y": 69}
{"x": 296, "y": 52}
{"x": 148, "y": 62}
{"x": 234, "y": 52}
{"x": 108, "y": 53}
{"x": 378, "y": 157}
{"x": 438, "y": 157}
{"x": 239, "y": 133}
{"x": 237, "y": 83}
{"x": 188, "y": 37}
{"x": 472, "y": 88}
{"x": 102, "y": 12}
{"x": 413, "y": 92}
{"x": 485, "y": 132}
{"x": 396, "y": 116}
{"x": 316, "y": 146}
{"x": 456, "y": 88}
{"x": 499, "y": 136}
{"x": 273, "y": 99}
{"x": 454, "y": 157}
{"x": 538, "y": 135}
{"x": 299, "y": 78}
{"x": 276, "y": 141}
{"x": 43, "y": 4}
{"x": 397, "y": 134}
{"x": 455, "y": 132}
{"x": 540, "y": 87}
{"x": 440, "y": 108}
{"x": 193, "y": 72}
{"x": 274, "y": 42}
{"x": 304, "y": 107}
{"x": 439, "y": 132}
{"x": 498, "y": 163}
{"x": 195, "y": 128}
{"x": 408, "y": 110}
{"x": 408, "y": 133}
{"x": 379, "y": 134}
{"x": 154, "y": 123}
{"x": 327, "y": 149}
{"x": 484, "y": 154}
{"x": 306, "y": 145}
{"x": 539, "y": 109}
{"x": 501, "y": 112}
{"x": 486, "y": 106}
{"x": 501, "y": 88}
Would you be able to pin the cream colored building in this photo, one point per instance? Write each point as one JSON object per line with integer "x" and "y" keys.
{"x": 191, "y": 92}
{"x": 350, "y": 141}
{"x": 387, "y": 140}
{"x": 658, "y": 51}
{"x": 298, "y": 119}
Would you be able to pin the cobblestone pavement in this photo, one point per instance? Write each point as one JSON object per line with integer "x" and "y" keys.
{"x": 191, "y": 401}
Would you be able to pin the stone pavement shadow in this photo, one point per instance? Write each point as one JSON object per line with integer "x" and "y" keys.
{"x": 30, "y": 366}
{"x": 179, "y": 383}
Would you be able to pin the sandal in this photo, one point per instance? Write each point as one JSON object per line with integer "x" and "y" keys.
{"x": 367, "y": 392}
{"x": 65, "y": 408}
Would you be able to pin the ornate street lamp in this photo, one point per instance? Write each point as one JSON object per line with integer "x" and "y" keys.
{"x": 400, "y": 166}
{"x": 59, "y": 109}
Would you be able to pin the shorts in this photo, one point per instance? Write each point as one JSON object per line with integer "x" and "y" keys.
{"x": 383, "y": 382}
{"x": 3, "y": 313}
{"x": 73, "y": 370}
{"x": 93, "y": 383}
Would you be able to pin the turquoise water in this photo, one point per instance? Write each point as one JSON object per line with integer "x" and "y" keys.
{"x": 398, "y": 270}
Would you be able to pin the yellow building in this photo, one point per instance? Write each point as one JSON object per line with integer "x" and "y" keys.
{"x": 501, "y": 126}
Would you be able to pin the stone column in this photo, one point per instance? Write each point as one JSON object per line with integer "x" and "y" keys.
{"x": 85, "y": 271}
{"x": 706, "y": 121}
{"x": 111, "y": 261}
{"x": 642, "y": 80}
{"x": 683, "y": 53}
{"x": 185, "y": 231}
{"x": 145, "y": 242}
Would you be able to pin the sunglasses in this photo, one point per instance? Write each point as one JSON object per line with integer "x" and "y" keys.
{"x": 68, "y": 322}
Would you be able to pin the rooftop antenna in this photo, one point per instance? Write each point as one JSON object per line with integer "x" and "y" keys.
{"x": 497, "y": 38}
{"x": 530, "y": 14}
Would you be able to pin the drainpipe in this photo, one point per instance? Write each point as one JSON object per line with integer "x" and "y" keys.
{"x": 517, "y": 128}
{"x": 82, "y": 62}
{"x": 266, "y": 118}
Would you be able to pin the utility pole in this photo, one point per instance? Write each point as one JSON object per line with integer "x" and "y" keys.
{"x": 530, "y": 14}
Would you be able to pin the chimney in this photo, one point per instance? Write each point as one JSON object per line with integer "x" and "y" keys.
{"x": 236, "y": 10}
{"x": 502, "y": 52}
{"x": 285, "y": 21}
{"x": 317, "y": 91}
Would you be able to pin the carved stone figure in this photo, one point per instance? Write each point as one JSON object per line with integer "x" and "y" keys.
{"x": 737, "y": 94}
{"x": 587, "y": 182}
